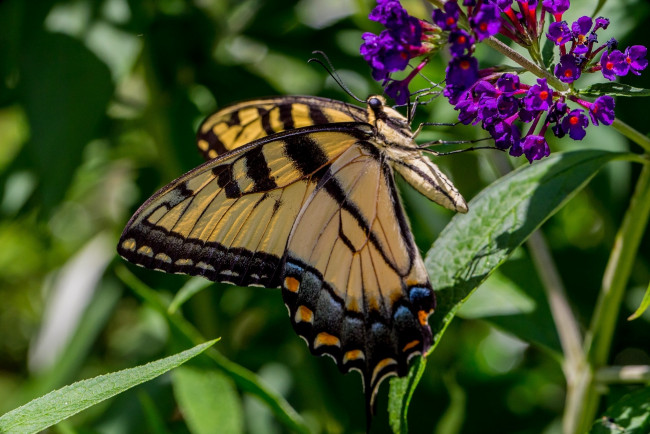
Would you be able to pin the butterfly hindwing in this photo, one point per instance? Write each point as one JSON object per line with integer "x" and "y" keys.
{"x": 354, "y": 283}
{"x": 239, "y": 124}
{"x": 229, "y": 219}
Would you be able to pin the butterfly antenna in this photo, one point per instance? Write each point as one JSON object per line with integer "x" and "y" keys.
{"x": 425, "y": 146}
{"x": 332, "y": 72}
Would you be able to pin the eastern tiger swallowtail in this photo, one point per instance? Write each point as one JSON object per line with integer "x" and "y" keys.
{"x": 298, "y": 193}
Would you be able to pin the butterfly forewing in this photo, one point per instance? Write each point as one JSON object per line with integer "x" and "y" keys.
{"x": 230, "y": 218}
{"x": 239, "y": 124}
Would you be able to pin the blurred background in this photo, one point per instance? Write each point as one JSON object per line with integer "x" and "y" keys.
{"x": 99, "y": 104}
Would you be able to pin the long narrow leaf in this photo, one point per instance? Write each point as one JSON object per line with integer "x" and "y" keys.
{"x": 60, "y": 404}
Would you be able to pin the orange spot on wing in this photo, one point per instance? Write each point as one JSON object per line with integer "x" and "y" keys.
{"x": 292, "y": 284}
{"x": 423, "y": 317}
{"x": 353, "y": 355}
{"x": 410, "y": 345}
{"x": 304, "y": 314}
{"x": 326, "y": 339}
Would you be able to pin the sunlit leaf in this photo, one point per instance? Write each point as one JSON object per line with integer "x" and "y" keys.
{"x": 60, "y": 404}
{"x": 629, "y": 415}
{"x": 401, "y": 392}
{"x": 499, "y": 220}
{"x": 645, "y": 303}
{"x": 614, "y": 89}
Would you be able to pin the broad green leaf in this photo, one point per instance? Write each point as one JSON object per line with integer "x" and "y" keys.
{"x": 244, "y": 379}
{"x": 645, "y": 303}
{"x": 629, "y": 415}
{"x": 613, "y": 89}
{"x": 208, "y": 401}
{"x": 499, "y": 220}
{"x": 60, "y": 404}
{"x": 401, "y": 392}
{"x": 64, "y": 102}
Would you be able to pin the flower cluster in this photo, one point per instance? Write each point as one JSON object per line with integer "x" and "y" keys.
{"x": 515, "y": 114}
{"x": 404, "y": 38}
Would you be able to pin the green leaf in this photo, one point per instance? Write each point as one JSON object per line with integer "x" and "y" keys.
{"x": 629, "y": 415}
{"x": 548, "y": 50}
{"x": 645, "y": 303}
{"x": 65, "y": 101}
{"x": 613, "y": 89}
{"x": 401, "y": 392}
{"x": 60, "y": 404}
{"x": 245, "y": 379}
{"x": 499, "y": 220}
{"x": 208, "y": 401}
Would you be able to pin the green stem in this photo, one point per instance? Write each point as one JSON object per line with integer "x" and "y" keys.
{"x": 632, "y": 134}
{"x": 598, "y": 339}
{"x": 525, "y": 63}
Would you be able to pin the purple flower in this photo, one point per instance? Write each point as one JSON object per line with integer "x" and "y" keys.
{"x": 574, "y": 124}
{"x": 635, "y": 58}
{"x": 507, "y": 106}
{"x": 399, "y": 91}
{"x": 486, "y": 21}
{"x": 508, "y": 84}
{"x": 559, "y": 32}
{"x": 580, "y": 29}
{"x": 612, "y": 44}
{"x": 602, "y": 110}
{"x": 488, "y": 111}
{"x": 567, "y": 70}
{"x": 556, "y": 6}
{"x": 390, "y": 13}
{"x": 504, "y": 5}
{"x": 469, "y": 2}
{"x": 539, "y": 97}
{"x": 613, "y": 64}
{"x": 505, "y": 134}
{"x": 535, "y": 148}
{"x": 461, "y": 74}
{"x": 459, "y": 42}
{"x": 468, "y": 109}
{"x": 384, "y": 54}
{"x": 447, "y": 20}
{"x": 601, "y": 23}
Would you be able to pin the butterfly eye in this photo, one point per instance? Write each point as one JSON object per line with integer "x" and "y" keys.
{"x": 374, "y": 103}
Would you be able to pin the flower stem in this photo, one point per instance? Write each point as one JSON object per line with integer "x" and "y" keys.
{"x": 565, "y": 322}
{"x": 601, "y": 331}
{"x": 525, "y": 63}
{"x": 632, "y": 134}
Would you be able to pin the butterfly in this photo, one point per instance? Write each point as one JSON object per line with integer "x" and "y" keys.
{"x": 299, "y": 193}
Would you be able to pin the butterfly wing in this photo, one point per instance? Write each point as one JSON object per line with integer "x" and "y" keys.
{"x": 229, "y": 219}
{"x": 354, "y": 281}
{"x": 239, "y": 124}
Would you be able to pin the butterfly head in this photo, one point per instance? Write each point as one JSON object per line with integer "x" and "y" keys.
{"x": 390, "y": 124}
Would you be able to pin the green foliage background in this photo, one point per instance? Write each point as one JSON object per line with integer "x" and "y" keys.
{"x": 99, "y": 104}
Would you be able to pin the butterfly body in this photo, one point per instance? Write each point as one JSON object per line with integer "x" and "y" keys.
{"x": 298, "y": 193}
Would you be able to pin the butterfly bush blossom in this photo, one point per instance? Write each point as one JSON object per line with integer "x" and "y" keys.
{"x": 515, "y": 114}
